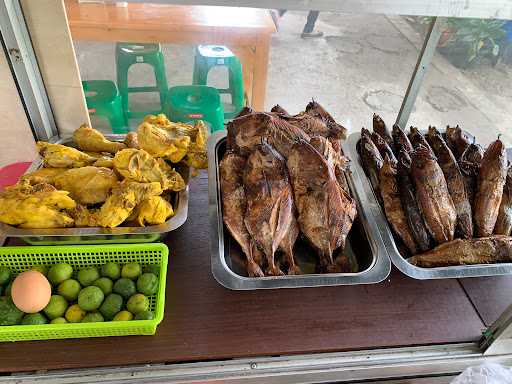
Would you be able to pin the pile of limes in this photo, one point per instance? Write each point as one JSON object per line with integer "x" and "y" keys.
{"x": 110, "y": 292}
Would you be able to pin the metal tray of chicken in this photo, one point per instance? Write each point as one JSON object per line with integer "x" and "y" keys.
{"x": 227, "y": 258}
{"x": 99, "y": 235}
{"x": 363, "y": 186}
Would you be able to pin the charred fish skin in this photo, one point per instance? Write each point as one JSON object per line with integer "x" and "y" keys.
{"x": 400, "y": 140}
{"x": 485, "y": 250}
{"x": 469, "y": 164}
{"x": 382, "y": 146}
{"x": 280, "y": 110}
{"x": 410, "y": 205}
{"x": 504, "y": 221}
{"x": 456, "y": 140}
{"x": 432, "y": 195}
{"x": 333, "y": 157}
{"x": 393, "y": 205}
{"x": 325, "y": 212}
{"x": 270, "y": 214}
{"x": 371, "y": 160}
{"x": 416, "y": 138}
{"x": 455, "y": 183}
{"x": 490, "y": 182}
{"x": 234, "y": 204}
{"x": 337, "y": 131}
{"x": 379, "y": 126}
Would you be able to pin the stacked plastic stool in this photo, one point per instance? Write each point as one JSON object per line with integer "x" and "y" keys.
{"x": 128, "y": 54}
{"x": 210, "y": 56}
{"x": 103, "y": 99}
{"x": 188, "y": 103}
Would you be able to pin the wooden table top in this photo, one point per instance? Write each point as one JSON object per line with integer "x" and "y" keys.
{"x": 204, "y": 321}
{"x": 169, "y": 18}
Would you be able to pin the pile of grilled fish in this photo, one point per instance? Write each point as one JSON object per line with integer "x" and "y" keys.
{"x": 282, "y": 177}
{"x": 448, "y": 201}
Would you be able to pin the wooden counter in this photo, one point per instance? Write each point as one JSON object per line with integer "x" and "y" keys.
{"x": 204, "y": 321}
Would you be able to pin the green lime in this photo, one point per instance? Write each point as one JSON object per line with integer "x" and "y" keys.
{"x": 145, "y": 315}
{"x": 105, "y": 284}
{"x": 147, "y": 284}
{"x": 34, "y": 319}
{"x": 87, "y": 276}
{"x": 93, "y": 317}
{"x": 59, "y": 320}
{"x": 69, "y": 289}
{"x": 125, "y": 287}
{"x": 7, "y": 291}
{"x": 112, "y": 304}
{"x": 59, "y": 272}
{"x": 137, "y": 303}
{"x": 111, "y": 270}
{"x": 131, "y": 271}
{"x": 152, "y": 268}
{"x": 123, "y": 316}
{"x": 75, "y": 314}
{"x": 40, "y": 268}
{"x": 5, "y": 275}
{"x": 9, "y": 314}
{"x": 90, "y": 298}
{"x": 56, "y": 307}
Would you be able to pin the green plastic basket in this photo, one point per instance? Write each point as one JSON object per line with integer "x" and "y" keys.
{"x": 96, "y": 239}
{"x": 19, "y": 259}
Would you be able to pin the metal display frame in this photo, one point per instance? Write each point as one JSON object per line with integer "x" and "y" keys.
{"x": 496, "y": 344}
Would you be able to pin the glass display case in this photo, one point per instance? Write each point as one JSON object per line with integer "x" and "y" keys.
{"x": 414, "y": 63}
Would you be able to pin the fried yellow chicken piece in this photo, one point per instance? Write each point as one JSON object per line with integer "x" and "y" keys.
{"x": 153, "y": 210}
{"x": 60, "y": 156}
{"x": 87, "y": 185}
{"x": 138, "y": 165}
{"x": 131, "y": 140}
{"x": 160, "y": 142}
{"x": 84, "y": 217}
{"x": 106, "y": 162}
{"x": 43, "y": 175}
{"x": 37, "y": 206}
{"x": 197, "y": 154}
{"x": 125, "y": 197}
{"x": 90, "y": 139}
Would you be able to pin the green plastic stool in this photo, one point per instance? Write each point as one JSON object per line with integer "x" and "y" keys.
{"x": 128, "y": 54}
{"x": 188, "y": 103}
{"x": 209, "y": 56}
{"x": 104, "y": 100}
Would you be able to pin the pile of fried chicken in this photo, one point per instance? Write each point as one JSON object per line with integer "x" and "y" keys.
{"x": 282, "y": 176}
{"x": 448, "y": 201}
{"x": 102, "y": 183}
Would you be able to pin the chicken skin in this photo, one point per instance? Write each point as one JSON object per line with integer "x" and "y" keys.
{"x": 43, "y": 175}
{"x": 171, "y": 143}
{"x": 153, "y": 211}
{"x": 90, "y": 139}
{"x": 60, "y": 156}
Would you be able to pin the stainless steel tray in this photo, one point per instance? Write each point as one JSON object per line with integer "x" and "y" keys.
{"x": 99, "y": 234}
{"x": 363, "y": 187}
{"x": 368, "y": 248}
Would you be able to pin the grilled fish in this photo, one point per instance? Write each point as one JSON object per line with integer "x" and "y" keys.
{"x": 485, "y": 250}
{"x": 371, "y": 160}
{"x": 504, "y": 221}
{"x": 279, "y": 110}
{"x": 379, "y": 126}
{"x": 393, "y": 206}
{"x": 270, "y": 213}
{"x": 454, "y": 182}
{"x": 334, "y": 158}
{"x": 417, "y": 139}
{"x": 469, "y": 164}
{"x": 246, "y": 133}
{"x": 490, "y": 182}
{"x": 457, "y": 140}
{"x": 432, "y": 194}
{"x": 326, "y": 212}
{"x": 410, "y": 204}
{"x": 400, "y": 140}
{"x": 337, "y": 131}
{"x": 382, "y": 146}
{"x": 234, "y": 205}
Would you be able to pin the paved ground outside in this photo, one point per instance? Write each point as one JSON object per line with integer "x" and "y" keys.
{"x": 362, "y": 65}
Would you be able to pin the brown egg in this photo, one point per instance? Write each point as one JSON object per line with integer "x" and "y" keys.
{"x": 31, "y": 291}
